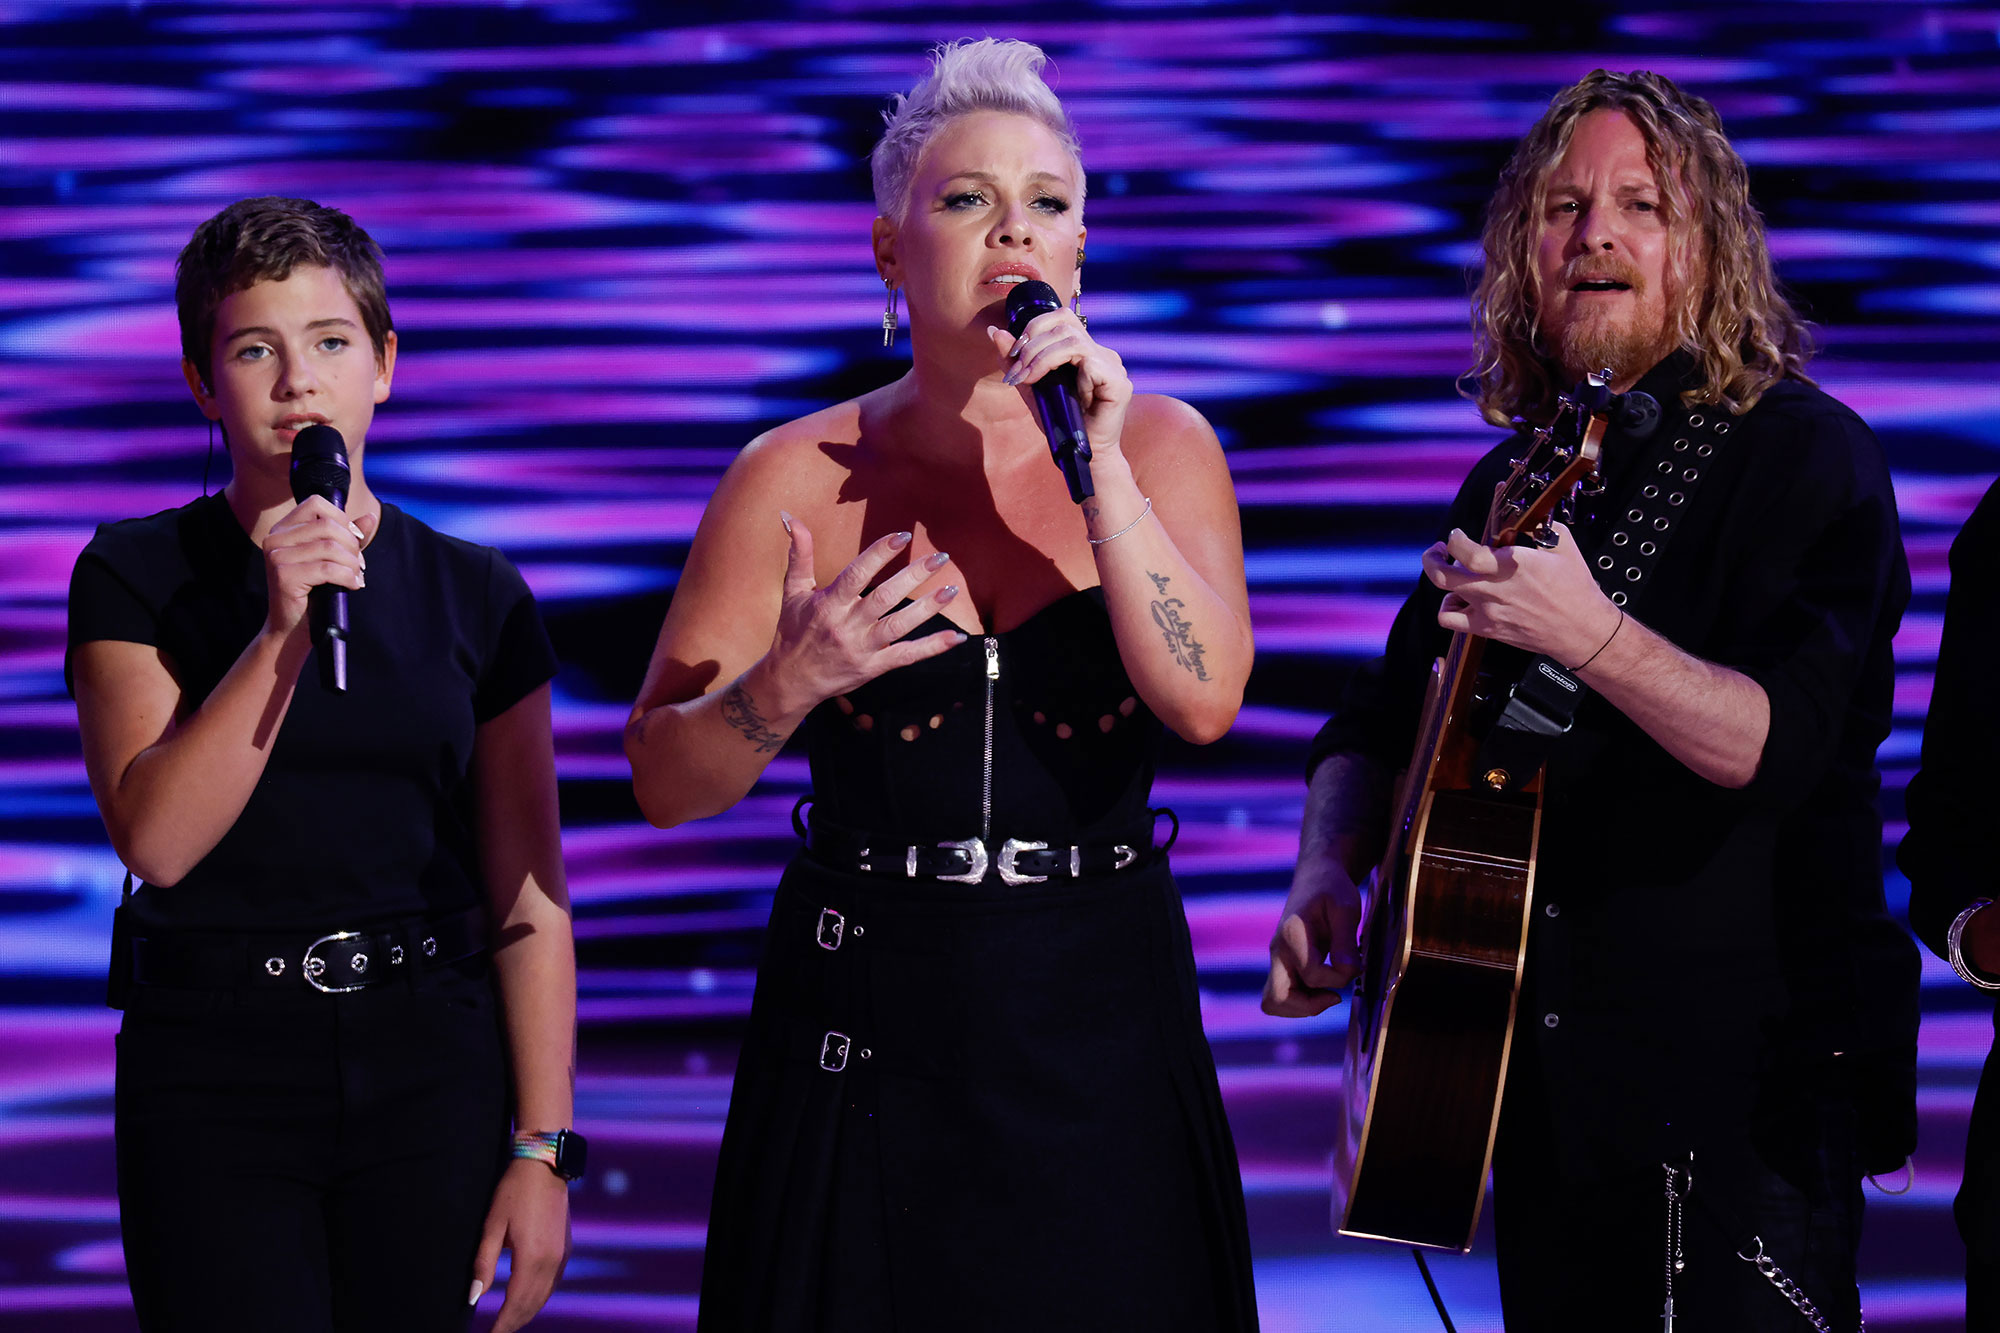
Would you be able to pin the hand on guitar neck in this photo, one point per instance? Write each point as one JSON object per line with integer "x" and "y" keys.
{"x": 1543, "y": 601}
{"x": 1712, "y": 718}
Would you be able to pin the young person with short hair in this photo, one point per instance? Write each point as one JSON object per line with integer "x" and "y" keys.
{"x": 348, "y": 974}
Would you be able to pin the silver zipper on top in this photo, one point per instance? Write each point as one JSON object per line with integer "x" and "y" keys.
{"x": 986, "y": 790}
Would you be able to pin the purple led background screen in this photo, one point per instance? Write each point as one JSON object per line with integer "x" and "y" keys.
{"x": 621, "y": 241}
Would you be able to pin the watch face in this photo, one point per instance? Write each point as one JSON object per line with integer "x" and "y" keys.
{"x": 572, "y": 1152}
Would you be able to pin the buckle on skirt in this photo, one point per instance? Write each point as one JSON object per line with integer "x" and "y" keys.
{"x": 832, "y": 926}
{"x": 833, "y": 1052}
{"x": 1013, "y": 848}
{"x": 973, "y": 848}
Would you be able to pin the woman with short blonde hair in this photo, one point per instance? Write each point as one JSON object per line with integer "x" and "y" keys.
{"x": 975, "y": 1093}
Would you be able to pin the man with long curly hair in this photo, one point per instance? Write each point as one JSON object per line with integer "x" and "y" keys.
{"x": 1712, "y": 978}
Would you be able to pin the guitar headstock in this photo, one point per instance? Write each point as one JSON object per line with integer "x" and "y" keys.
{"x": 1561, "y": 459}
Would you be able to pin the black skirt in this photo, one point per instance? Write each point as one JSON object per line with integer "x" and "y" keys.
{"x": 976, "y": 1107}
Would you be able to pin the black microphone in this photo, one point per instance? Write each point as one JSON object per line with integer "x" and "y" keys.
{"x": 1055, "y": 393}
{"x": 319, "y": 467}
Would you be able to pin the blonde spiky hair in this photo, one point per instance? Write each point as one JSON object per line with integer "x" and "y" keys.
{"x": 990, "y": 74}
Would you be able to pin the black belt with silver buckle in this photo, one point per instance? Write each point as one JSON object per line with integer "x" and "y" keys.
{"x": 334, "y": 962}
{"x": 969, "y": 860}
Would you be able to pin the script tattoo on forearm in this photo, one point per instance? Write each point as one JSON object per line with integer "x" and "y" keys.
{"x": 1181, "y": 642}
{"x": 739, "y": 710}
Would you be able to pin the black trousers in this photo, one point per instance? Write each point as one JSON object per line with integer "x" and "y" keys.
{"x": 1978, "y": 1204}
{"x": 1587, "y": 1250}
{"x": 309, "y": 1162}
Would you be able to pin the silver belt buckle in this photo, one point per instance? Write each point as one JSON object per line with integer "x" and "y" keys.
{"x": 974, "y": 848}
{"x": 832, "y": 927}
{"x": 1011, "y": 849}
{"x": 833, "y": 1052}
{"x": 313, "y": 966}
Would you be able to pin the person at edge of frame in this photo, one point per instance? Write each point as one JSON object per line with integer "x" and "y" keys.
{"x": 353, "y": 927}
{"x": 975, "y": 1092}
{"x": 1710, "y": 967}
{"x": 1952, "y": 876}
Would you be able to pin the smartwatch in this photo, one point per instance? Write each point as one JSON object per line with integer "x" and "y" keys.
{"x": 564, "y": 1151}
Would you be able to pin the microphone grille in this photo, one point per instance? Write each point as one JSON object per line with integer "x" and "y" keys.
{"x": 319, "y": 462}
{"x": 1027, "y": 300}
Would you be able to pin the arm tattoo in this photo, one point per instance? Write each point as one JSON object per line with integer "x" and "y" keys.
{"x": 739, "y": 710}
{"x": 1187, "y": 649}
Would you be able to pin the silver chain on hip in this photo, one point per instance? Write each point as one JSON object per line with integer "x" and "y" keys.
{"x": 1678, "y": 1184}
{"x": 1789, "y": 1289}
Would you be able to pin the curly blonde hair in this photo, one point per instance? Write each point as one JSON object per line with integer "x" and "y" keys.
{"x": 1727, "y": 310}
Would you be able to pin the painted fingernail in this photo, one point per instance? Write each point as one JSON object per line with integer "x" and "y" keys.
{"x": 360, "y": 580}
{"x": 477, "y": 1287}
{"x": 947, "y": 592}
{"x": 364, "y": 559}
{"x": 899, "y": 540}
{"x": 938, "y": 561}
{"x": 958, "y": 638}
{"x": 355, "y": 529}
{"x": 785, "y": 519}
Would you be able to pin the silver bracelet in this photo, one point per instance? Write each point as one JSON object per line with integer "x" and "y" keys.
{"x": 1099, "y": 541}
{"x": 1954, "y": 948}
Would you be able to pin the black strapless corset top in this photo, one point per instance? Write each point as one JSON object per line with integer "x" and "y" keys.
{"x": 1035, "y": 733}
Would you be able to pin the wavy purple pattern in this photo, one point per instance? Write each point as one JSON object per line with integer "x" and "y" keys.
{"x": 621, "y": 243}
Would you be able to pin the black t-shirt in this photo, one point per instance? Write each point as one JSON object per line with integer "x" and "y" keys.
{"x": 1691, "y": 943}
{"x": 365, "y": 810}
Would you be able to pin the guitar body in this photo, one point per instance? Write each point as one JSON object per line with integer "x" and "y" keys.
{"x": 1433, "y": 1021}
{"x": 1446, "y": 929}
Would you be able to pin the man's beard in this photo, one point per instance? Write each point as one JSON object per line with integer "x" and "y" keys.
{"x": 1593, "y": 340}
{"x": 1629, "y": 347}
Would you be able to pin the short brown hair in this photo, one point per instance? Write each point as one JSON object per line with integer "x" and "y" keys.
{"x": 264, "y": 239}
{"x": 1734, "y": 319}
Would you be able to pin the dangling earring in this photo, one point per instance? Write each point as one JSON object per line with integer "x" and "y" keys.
{"x": 889, "y": 316}
{"x": 1076, "y": 301}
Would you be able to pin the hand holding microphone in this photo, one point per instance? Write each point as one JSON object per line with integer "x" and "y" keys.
{"x": 318, "y": 545}
{"x": 1080, "y": 388}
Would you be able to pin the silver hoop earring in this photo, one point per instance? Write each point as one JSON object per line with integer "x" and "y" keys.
{"x": 1076, "y": 303}
{"x": 889, "y": 316}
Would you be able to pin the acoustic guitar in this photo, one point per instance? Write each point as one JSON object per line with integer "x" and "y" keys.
{"x": 1446, "y": 926}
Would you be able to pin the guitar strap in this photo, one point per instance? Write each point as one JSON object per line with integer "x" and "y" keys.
{"x": 1542, "y": 705}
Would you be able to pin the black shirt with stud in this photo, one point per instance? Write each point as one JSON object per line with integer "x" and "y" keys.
{"x": 365, "y": 810}
{"x": 1698, "y": 955}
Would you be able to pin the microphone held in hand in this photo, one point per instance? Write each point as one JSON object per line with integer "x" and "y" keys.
{"x": 1054, "y": 393}
{"x": 319, "y": 467}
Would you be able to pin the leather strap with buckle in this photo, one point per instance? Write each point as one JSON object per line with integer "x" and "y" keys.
{"x": 1015, "y": 861}
{"x": 333, "y": 962}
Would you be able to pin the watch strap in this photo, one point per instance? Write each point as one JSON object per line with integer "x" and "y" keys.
{"x": 561, "y": 1150}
